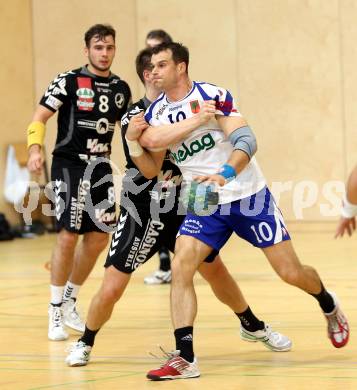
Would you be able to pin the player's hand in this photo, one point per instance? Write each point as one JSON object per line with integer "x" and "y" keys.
{"x": 345, "y": 225}
{"x": 35, "y": 160}
{"x": 207, "y": 111}
{"x": 217, "y": 179}
{"x": 136, "y": 126}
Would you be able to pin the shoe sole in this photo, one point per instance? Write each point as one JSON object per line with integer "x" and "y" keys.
{"x": 77, "y": 364}
{"x": 156, "y": 283}
{"x": 169, "y": 377}
{"x": 57, "y": 339}
{"x": 249, "y": 340}
{"x": 74, "y": 328}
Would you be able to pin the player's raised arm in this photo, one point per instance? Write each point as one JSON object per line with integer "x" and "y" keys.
{"x": 242, "y": 139}
{"x": 161, "y": 137}
{"x": 244, "y": 145}
{"x": 148, "y": 162}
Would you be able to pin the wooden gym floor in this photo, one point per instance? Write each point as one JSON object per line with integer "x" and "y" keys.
{"x": 28, "y": 360}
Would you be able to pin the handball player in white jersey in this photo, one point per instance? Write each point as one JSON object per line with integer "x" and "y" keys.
{"x": 222, "y": 152}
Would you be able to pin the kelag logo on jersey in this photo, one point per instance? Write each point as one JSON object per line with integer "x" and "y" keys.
{"x": 205, "y": 143}
{"x": 85, "y": 94}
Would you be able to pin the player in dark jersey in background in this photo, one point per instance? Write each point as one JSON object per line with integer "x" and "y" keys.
{"x": 141, "y": 231}
{"x": 163, "y": 274}
{"x": 155, "y": 37}
{"x": 89, "y": 100}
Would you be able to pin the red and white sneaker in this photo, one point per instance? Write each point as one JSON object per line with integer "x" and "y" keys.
{"x": 338, "y": 330}
{"x": 176, "y": 367}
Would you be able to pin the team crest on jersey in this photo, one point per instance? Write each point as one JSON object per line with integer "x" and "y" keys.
{"x": 102, "y": 126}
{"x": 119, "y": 100}
{"x": 85, "y": 94}
{"x": 195, "y": 106}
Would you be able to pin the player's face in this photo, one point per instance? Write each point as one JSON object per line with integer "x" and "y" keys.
{"x": 101, "y": 53}
{"x": 165, "y": 72}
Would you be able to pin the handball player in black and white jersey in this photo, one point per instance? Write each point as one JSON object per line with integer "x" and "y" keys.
{"x": 163, "y": 273}
{"x": 90, "y": 101}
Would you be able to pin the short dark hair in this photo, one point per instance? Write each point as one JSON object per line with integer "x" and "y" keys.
{"x": 99, "y": 30}
{"x": 161, "y": 35}
{"x": 180, "y": 52}
{"x": 143, "y": 62}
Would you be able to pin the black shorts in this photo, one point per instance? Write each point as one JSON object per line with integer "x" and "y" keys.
{"x": 134, "y": 242}
{"x": 84, "y": 198}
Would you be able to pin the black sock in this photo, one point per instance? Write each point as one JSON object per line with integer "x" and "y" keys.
{"x": 165, "y": 263}
{"x": 184, "y": 342}
{"x": 249, "y": 321}
{"x": 89, "y": 336}
{"x": 325, "y": 300}
{"x": 56, "y": 304}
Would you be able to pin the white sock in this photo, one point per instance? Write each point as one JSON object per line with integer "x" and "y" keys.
{"x": 71, "y": 291}
{"x": 56, "y": 294}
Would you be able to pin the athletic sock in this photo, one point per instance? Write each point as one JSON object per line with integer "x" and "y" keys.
{"x": 184, "y": 342}
{"x": 56, "y": 304}
{"x": 70, "y": 291}
{"x": 56, "y": 294}
{"x": 165, "y": 263}
{"x": 249, "y": 321}
{"x": 88, "y": 336}
{"x": 325, "y": 300}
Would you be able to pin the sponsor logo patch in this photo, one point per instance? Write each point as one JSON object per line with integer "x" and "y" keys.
{"x": 161, "y": 111}
{"x": 102, "y": 126}
{"x": 85, "y": 94}
{"x": 94, "y": 146}
{"x": 205, "y": 143}
{"x": 119, "y": 100}
{"x": 53, "y": 102}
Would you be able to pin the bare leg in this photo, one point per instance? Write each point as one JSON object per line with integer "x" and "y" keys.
{"x": 100, "y": 310}
{"x": 286, "y": 264}
{"x": 223, "y": 285}
{"x": 112, "y": 288}
{"x": 189, "y": 254}
{"x": 62, "y": 257}
{"x": 86, "y": 255}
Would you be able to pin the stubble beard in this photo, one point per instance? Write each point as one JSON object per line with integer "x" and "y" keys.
{"x": 98, "y": 68}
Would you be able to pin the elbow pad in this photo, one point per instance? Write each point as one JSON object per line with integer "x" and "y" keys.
{"x": 244, "y": 139}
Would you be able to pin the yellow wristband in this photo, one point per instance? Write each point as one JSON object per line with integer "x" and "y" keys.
{"x": 35, "y": 133}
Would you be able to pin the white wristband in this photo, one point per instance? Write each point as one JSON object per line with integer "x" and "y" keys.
{"x": 349, "y": 210}
{"x": 135, "y": 149}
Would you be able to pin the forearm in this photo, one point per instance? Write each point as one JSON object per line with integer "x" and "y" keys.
{"x": 34, "y": 148}
{"x": 37, "y": 128}
{"x": 351, "y": 187}
{"x": 238, "y": 160}
{"x": 161, "y": 137}
{"x": 147, "y": 165}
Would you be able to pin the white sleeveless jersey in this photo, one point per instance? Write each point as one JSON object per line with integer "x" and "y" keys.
{"x": 206, "y": 149}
